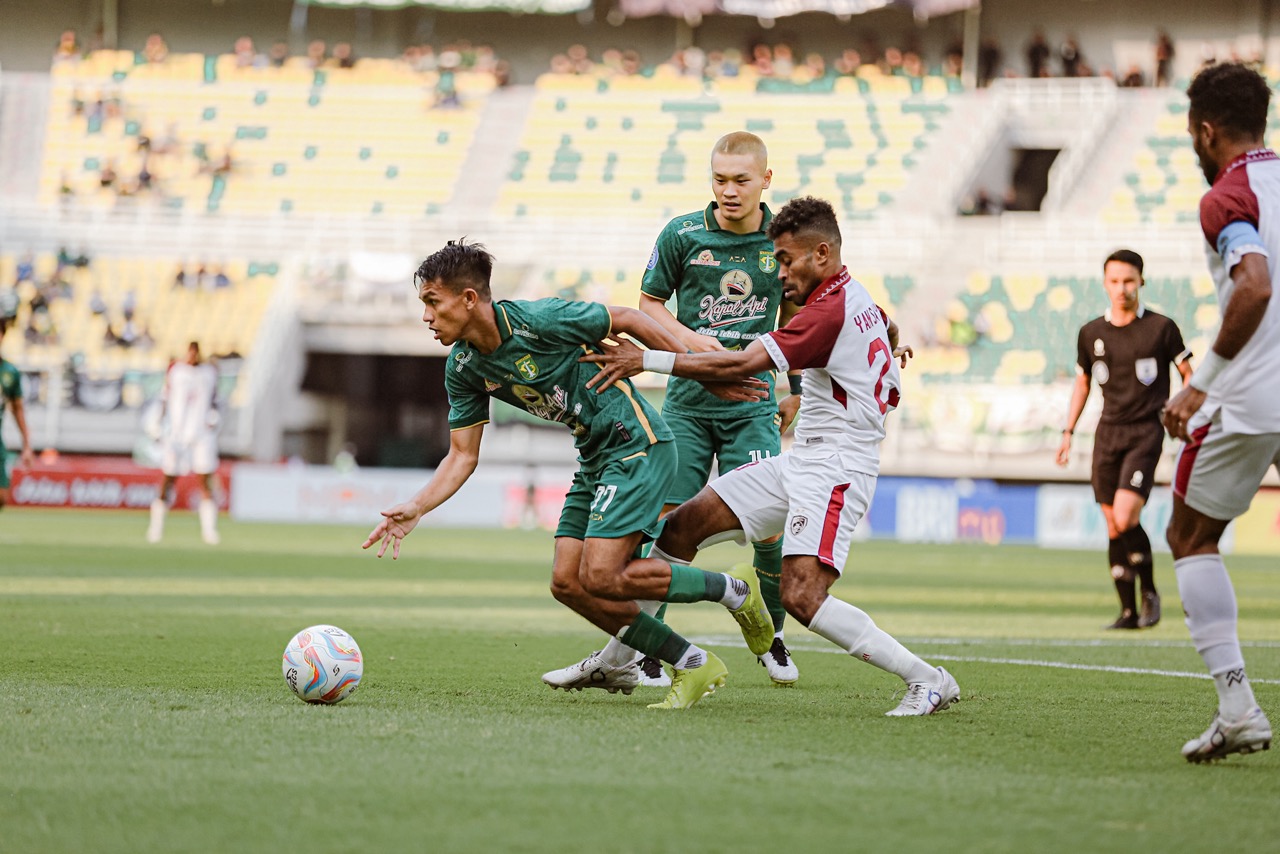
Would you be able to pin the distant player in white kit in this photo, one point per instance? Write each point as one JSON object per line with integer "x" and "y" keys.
{"x": 189, "y": 440}
{"x": 819, "y": 490}
{"x": 1229, "y": 412}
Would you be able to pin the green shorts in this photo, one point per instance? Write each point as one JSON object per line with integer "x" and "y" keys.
{"x": 731, "y": 441}
{"x": 620, "y": 499}
{"x": 6, "y": 464}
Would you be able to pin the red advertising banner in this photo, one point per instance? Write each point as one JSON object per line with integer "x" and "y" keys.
{"x": 105, "y": 482}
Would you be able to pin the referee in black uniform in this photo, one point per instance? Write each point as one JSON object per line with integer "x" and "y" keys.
{"x": 1128, "y": 351}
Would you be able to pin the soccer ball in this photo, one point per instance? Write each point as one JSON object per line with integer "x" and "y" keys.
{"x": 323, "y": 664}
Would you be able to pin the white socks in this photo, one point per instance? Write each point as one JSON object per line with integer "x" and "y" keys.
{"x": 155, "y": 531}
{"x": 694, "y": 656}
{"x": 1210, "y": 603}
{"x": 735, "y": 592}
{"x": 618, "y": 654}
{"x": 854, "y": 631}
{"x": 208, "y": 513}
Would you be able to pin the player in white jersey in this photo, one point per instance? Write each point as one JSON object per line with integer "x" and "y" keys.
{"x": 189, "y": 440}
{"x": 819, "y": 489}
{"x": 1229, "y": 412}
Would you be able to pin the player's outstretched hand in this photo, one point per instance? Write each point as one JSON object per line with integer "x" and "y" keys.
{"x": 750, "y": 390}
{"x": 621, "y": 359}
{"x": 704, "y": 344}
{"x": 905, "y": 353}
{"x": 1064, "y": 450}
{"x": 394, "y": 527}
{"x": 28, "y": 458}
{"x": 1178, "y": 411}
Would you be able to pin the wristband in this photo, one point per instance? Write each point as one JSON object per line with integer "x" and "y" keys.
{"x": 1068, "y": 432}
{"x": 795, "y": 381}
{"x": 1203, "y": 376}
{"x": 658, "y": 361}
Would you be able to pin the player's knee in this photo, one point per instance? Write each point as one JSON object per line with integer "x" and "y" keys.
{"x": 801, "y": 601}
{"x": 601, "y": 580}
{"x": 565, "y": 590}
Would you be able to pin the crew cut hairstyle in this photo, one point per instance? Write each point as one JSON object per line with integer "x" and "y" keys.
{"x": 742, "y": 142}
{"x": 458, "y": 265}
{"x": 1231, "y": 96}
{"x": 806, "y": 217}
{"x": 1125, "y": 256}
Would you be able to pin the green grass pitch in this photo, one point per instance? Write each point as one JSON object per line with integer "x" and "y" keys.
{"x": 142, "y": 707}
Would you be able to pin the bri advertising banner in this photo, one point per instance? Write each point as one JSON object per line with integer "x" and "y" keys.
{"x": 112, "y": 483}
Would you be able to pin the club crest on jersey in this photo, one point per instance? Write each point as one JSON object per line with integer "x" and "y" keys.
{"x": 705, "y": 259}
{"x": 1099, "y": 349}
{"x": 735, "y": 285}
{"x": 1101, "y": 373}
{"x": 527, "y": 367}
{"x": 1146, "y": 370}
{"x": 768, "y": 263}
{"x": 798, "y": 523}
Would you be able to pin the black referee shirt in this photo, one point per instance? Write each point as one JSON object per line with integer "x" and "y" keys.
{"x": 1131, "y": 363}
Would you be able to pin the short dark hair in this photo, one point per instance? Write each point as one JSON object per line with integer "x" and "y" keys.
{"x": 458, "y": 265}
{"x": 1231, "y": 96}
{"x": 806, "y": 216}
{"x": 4, "y": 326}
{"x": 1125, "y": 256}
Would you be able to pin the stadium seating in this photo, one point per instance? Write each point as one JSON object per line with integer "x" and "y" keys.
{"x": 1022, "y": 328}
{"x": 297, "y": 139}
{"x": 597, "y": 144}
{"x": 224, "y": 320}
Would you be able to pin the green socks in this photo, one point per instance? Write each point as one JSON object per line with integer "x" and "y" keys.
{"x": 768, "y": 564}
{"x": 653, "y": 638}
{"x": 690, "y": 584}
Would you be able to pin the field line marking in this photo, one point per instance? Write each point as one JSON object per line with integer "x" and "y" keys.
{"x": 1019, "y": 662}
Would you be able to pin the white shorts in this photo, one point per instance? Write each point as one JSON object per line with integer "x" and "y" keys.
{"x": 1218, "y": 473}
{"x": 814, "y": 500}
{"x": 198, "y": 457}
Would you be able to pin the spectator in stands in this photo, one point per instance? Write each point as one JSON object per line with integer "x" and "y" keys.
{"x": 97, "y": 304}
{"x": 815, "y": 65}
{"x": 848, "y": 63}
{"x": 278, "y": 55}
{"x": 1164, "y": 59}
{"x": 246, "y": 56}
{"x": 1038, "y": 56}
{"x": 221, "y": 279}
{"x": 631, "y": 65}
{"x": 784, "y": 62}
{"x": 912, "y": 64}
{"x": 9, "y": 302}
{"x": 1069, "y": 56}
{"x": 1133, "y": 79}
{"x": 953, "y": 61}
{"x": 181, "y": 279}
{"x": 891, "y": 62}
{"x": 989, "y": 57}
{"x": 26, "y": 270}
{"x": 579, "y": 60}
{"x": 447, "y": 82}
{"x": 129, "y": 304}
{"x": 155, "y": 50}
{"x": 762, "y": 59}
{"x": 107, "y": 177}
{"x": 67, "y": 49}
{"x": 317, "y": 51}
{"x": 343, "y": 56}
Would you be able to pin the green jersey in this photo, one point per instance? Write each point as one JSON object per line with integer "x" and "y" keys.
{"x": 726, "y": 286}
{"x": 536, "y": 369}
{"x": 10, "y": 385}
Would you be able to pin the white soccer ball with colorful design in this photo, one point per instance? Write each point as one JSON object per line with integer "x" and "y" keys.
{"x": 323, "y": 664}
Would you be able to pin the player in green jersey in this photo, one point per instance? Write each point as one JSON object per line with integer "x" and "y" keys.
{"x": 11, "y": 398}
{"x": 526, "y": 354}
{"x": 718, "y": 264}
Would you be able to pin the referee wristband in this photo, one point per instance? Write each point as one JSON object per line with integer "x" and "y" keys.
{"x": 1203, "y": 376}
{"x": 796, "y": 382}
{"x": 658, "y": 361}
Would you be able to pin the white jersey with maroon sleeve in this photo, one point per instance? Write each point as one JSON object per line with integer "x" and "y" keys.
{"x": 1240, "y": 215}
{"x": 851, "y": 380}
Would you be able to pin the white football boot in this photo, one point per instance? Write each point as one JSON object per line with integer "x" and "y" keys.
{"x": 925, "y": 698}
{"x": 594, "y": 672}
{"x": 778, "y": 663}
{"x": 1250, "y": 733}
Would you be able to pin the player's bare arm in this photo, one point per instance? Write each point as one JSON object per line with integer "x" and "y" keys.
{"x": 657, "y": 310}
{"x": 1240, "y": 320}
{"x": 1079, "y": 394}
{"x": 20, "y": 416}
{"x": 902, "y": 352}
{"x": 627, "y": 360}
{"x": 457, "y": 466}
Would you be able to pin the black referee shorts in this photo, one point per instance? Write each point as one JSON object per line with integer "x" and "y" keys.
{"x": 1125, "y": 457}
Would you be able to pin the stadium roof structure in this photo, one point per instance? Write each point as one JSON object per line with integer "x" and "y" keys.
{"x": 922, "y": 9}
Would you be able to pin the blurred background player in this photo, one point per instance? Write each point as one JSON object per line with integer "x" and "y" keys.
{"x": 1128, "y": 351}
{"x": 1229, "y": 411}
{"x": 11, "y": 398}
{"x": 189, "y": 440}
{"x": 819, "y": 490}
{"x": 718, "y": 263}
